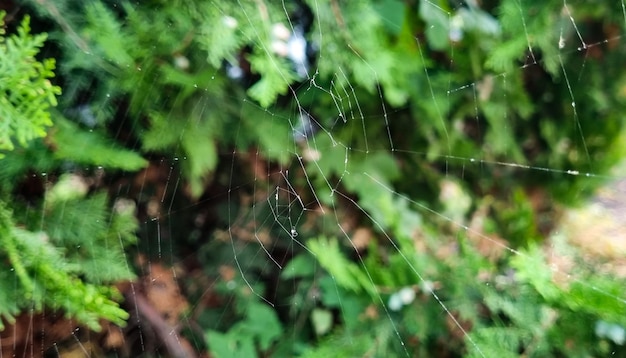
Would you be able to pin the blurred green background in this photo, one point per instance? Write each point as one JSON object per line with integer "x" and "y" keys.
{"x": 312, "y": 178}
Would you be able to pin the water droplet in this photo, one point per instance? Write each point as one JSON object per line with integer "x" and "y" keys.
{"x": 294, "y": 232}
{"x": 195, "y": 85}
{"x": 175, "y": 159}
{"x": 212, "y": 77}
{"x": 574, "y": 104}
{"x": 472, "y": 160}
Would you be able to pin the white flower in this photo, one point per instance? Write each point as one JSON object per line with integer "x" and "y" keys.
{"x": 297, "y": 53}
{"x": 407, "y": 295}
{"x": 395, "y": 302}
{"x": 401, "y": 298}
{"x": 281, "y": 32}
{"x": 230, "y": 22}
{"x": 181, "y": 62}
{"x": 280, "y": 48}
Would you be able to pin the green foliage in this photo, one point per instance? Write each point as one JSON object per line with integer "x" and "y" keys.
{"x": 411, "y": 99}
{"x": 541, "y": 313}
{"x": 43, "y": 276}
{"x": 259, "y": 329}
{"x": 529, "y": 311}
{"x": 252, "y": 325}
{"x": 595, "y": 295}
{"x": 71, "y": 218}
{"x": 83, "y": 147}
{"x": 61, "y": 251}
{"x": 26, "y": 93}
{"x": 347, "y": 274}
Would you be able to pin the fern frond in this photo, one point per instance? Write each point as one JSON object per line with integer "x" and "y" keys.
{"x": 26, "y": 93}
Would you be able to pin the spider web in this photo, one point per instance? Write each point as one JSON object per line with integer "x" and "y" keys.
{"x": 256, "y": 228}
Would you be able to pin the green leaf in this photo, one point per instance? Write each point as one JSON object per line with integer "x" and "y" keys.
{"x": 94, "y": 238}
{"x": 322, "y": 321}
{"x": 274, "y": 135}
{"x": 302, "y": 265}
{"x": 163, "y": 132}
{"x": 45, "y": 278}
{"x": 9, "y": 299}
{"x": 261, "y": 323}
{"x": 346, "y": 345}
{"x": 201, "y": 159}
{"x": 73, "y": 143}
{"x": 108, "y": 34}
{"x": 26, "y": 93}
{"x": 437, "y": 25}
{"x": 222, "y": 38}
{"x": 230, "y": 345}
{"x": 276, "y": 76}
{"x": 496, "y": 342}
{"x": 192, "y": 139}
{"x": 532, "y": 268}
{"x": 347, "y": 274}
{"x": 260, "y": 326}
{"x": 394, "y": 12}
{"x": 601, "y": 296}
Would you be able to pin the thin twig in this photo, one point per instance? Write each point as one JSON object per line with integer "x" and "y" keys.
{"x": 176, "y": 345}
